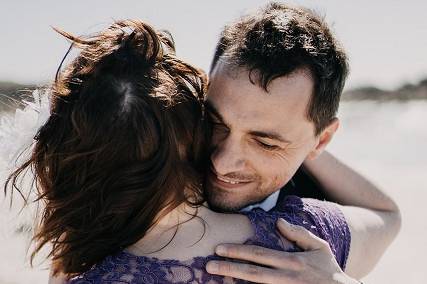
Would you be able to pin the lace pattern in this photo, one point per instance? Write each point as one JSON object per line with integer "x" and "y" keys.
{"x": 321, "y": 218}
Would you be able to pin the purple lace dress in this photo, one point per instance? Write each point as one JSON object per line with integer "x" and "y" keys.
{"x": 321, "y": 218}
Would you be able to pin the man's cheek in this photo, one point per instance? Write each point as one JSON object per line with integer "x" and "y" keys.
{"x": 279, "y": 180}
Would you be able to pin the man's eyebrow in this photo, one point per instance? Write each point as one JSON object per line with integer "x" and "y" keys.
{"x": 270, "y": 135}
{"x": 213, "y": 111}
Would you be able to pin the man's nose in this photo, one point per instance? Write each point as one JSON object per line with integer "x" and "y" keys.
{"x": 228, "y": 156}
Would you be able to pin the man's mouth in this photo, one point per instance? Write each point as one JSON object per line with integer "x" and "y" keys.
{"x": 227, "y": 182}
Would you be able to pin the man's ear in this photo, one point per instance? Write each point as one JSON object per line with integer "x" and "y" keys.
{"x": 324, "y": 138}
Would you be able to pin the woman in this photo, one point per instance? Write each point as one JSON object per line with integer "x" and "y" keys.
{"x": 119, "y": 166}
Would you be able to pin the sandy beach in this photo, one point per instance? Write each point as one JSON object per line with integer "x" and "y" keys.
{"x": 385, "y": 142}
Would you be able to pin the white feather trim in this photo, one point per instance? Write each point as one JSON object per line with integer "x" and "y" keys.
{"x": 17, "y": 131}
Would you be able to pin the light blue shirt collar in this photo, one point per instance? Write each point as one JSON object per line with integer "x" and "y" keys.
{"x": 266, "y": 205}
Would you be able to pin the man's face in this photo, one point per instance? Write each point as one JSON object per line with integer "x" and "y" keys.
{"x": 259, "y": 139}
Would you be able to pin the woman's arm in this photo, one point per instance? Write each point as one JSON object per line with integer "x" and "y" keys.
{"x": 373, "y": 217}
{"x": 345, "y": 186}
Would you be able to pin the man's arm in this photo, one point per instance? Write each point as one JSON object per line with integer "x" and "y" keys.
{"x": 373, "y": 217}
{"x": 315, "y": 265}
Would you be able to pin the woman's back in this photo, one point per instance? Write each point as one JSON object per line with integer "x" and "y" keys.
{"x": 183, "y": 261}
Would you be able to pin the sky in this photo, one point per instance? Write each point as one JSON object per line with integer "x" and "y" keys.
{"x": 386, "y": 40}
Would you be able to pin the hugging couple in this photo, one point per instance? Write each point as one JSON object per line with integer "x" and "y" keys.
{"x": 149, "y": 172}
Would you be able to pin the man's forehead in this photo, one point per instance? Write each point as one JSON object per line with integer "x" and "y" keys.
{"x": 225, "y": 70}
{"x": 249, "y": 107}
{"x": 289, "y": 97}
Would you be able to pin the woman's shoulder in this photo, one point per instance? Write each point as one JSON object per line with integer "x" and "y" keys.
{"x": 324, "y": 219}
{"x": 309, "y": 212}
{"x": 305, "y": 212}
{"x": 175, "y": 263}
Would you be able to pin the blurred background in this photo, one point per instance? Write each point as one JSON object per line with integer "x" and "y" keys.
{"x": 384, "y": 110}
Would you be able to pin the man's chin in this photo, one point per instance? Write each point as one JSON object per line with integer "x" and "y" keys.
{"x": 226, "y": 202}
{"x": 224, "y": 206}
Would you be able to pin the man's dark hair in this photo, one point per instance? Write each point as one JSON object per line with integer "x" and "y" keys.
{"x": 278, "y": 40}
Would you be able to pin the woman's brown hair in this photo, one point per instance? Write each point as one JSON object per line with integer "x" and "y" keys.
{"x": 125, "y": 136}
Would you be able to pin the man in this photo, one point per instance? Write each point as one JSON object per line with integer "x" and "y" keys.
{"x": 275, "y": 85}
